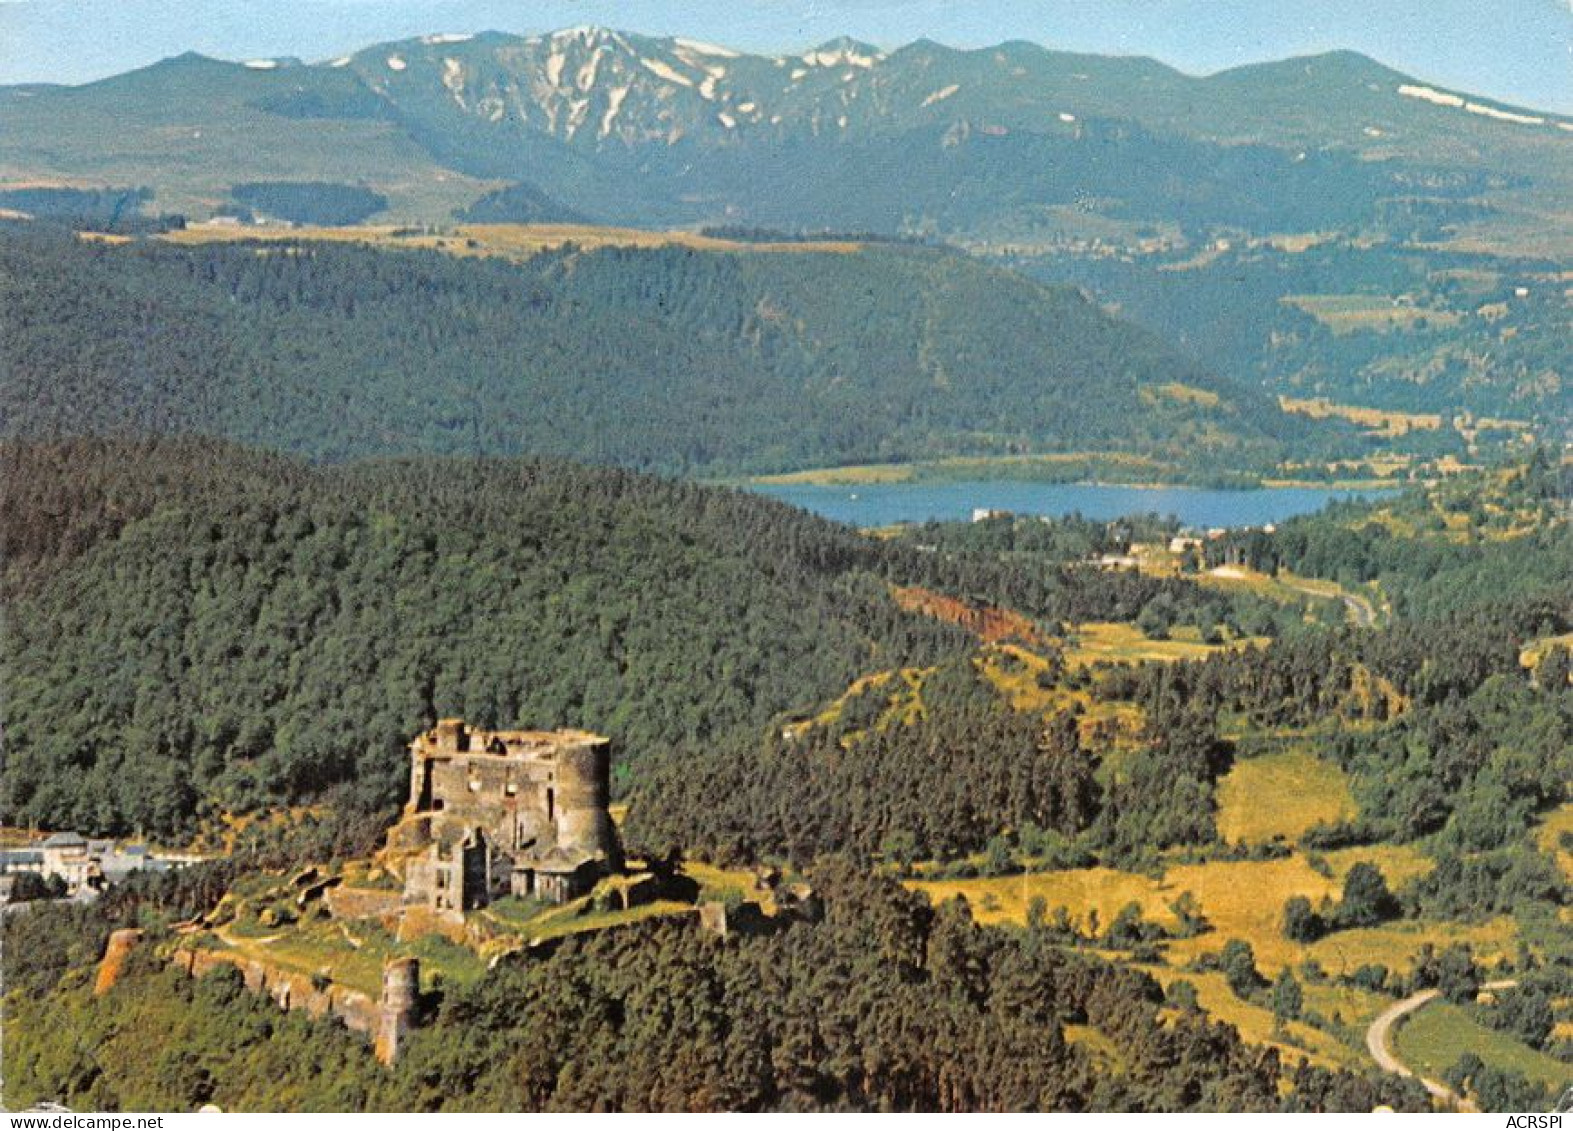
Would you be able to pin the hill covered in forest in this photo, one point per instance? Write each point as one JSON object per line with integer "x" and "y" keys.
{"x": 194, "y": 629}
{"x": 667, "y": 358}
{"x": 1467, "y": 743}
{"x": 1022, "y": 854}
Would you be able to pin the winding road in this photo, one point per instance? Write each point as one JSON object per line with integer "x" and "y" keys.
{"x": 1378, "y": 1044}
{"x": 1360, "y": 609}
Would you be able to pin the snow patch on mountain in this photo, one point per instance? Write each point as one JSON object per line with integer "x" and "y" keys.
{"x": 614, "y": 103}
{"x": 578, "y": 110}
{"x": 262, "y": 64}
{"x": 554, "y": 67}
{"x": 1430, "y": 94}
{"x": 665, "y": 71}
{"x": 701, "y": 48}
{"x": 396, "y": 63}
{"x": 1503, "y": 115}
{"x": 840, "y": 57}
{"x": 1454, "y": 101}
{"x": 941, "y": 94}
{"x": 446, "y": 37}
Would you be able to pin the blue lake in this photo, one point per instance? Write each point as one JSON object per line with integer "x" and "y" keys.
{"x": 886, "y": 503}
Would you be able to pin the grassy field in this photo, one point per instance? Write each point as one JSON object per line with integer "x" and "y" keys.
{"x": 1346, "y": 314}
{"x": 716, "y": 882}
{"x": 1536, "y": 650}
{"x": 1105, "y": 1053}
{"x": 1110, "y": 642}
{"x": 1289, "y": 588}
{"x": 1548, "y": 838}
{"x": 577, "y": 918}
{"x": 1454, "y": 511}
{"x": 1241, "y": 899}
{"x": 1285, "y": 587}
{"x": 1054, "y": 467}
{"x": 1377, "y": 421}
{"x": 1281, "y": 795}
{"x": 1182, "y": 393}
{"x": 903, "y": 702}
{"x": 509, "y": 241}
{"x": 192, "y": 170}
{"x": 1015, "y": 672}
{"x": 1433, "y": 1038}
{"x": 1296, "y": 1039}
{"x": 352, "y": 953}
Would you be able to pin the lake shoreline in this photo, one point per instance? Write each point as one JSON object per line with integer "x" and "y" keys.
{"x": 872, "y": 505}
{"x": 1069, "y": 471}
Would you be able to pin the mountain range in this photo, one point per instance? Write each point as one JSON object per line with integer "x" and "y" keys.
{"x": 656, "y": 132}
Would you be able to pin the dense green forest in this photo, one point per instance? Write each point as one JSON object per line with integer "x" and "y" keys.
{"x": 103, "y": 209}
{"x": 307, "y": 202}
{"x": 884, "y": 1004}
{"x": 195, "y": 628}
{"x": 991, "y": 825}
{"x": 964, "y": 771}
{"x": 663, "y": 359}
{"x": 519, "y": 203}
{"x": 1411, "y": 328}
{"x": 192, "y": 628}
{"x": 1482, "y": 748}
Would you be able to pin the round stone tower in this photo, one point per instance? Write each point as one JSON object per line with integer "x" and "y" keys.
{"x": 584, "y": 789}
{"x": 401, "y": 986}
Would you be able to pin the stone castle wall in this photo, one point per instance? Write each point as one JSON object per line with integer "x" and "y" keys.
{"x": 289, "y": 989}
{"x": 345, "y": 902}
{"x": 492, "y": 813}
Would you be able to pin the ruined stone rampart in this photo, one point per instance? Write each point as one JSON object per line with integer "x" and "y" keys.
{"x": 289, "y": 989}
{"x": 344, "y": 902}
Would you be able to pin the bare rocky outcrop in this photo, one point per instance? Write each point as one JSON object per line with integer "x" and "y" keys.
{"x": 116, "y": 951}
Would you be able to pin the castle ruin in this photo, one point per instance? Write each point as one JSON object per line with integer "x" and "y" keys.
{"x": 401, "y": 991}
{"x": 498, "y": 813}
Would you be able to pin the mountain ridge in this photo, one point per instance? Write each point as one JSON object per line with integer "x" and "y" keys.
{"x": 672, "y": 359}
{"x": 663, "y": 131}
{"x": 597, "y": 33}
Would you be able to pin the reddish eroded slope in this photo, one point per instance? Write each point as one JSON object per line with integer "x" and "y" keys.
{"x": 989, "y": 623}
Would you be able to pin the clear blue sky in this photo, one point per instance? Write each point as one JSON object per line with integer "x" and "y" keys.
{"x": 1513, "y": 50}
